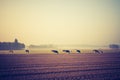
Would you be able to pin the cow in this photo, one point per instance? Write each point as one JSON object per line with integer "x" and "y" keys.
{"x": 55, "y": 51}
{"x": 27, "y": 51}
{"x": 97, "y": 51}
{"x": 67, "y": 51}
{"x": 78, "y": 51}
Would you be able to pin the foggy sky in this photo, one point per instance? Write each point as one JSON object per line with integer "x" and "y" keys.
{"x": 60, "y": 21}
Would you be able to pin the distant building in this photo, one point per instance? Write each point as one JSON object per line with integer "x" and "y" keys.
{"x": 12, "y": 45}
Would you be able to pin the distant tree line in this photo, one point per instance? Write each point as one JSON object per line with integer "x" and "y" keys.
{"x": 11, "y": 45}
{"x": 114, "y": 46}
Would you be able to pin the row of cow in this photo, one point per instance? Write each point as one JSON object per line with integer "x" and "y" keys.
{"x": 66, "y": 51}
{"x": 77, "y": 51}
{"x": 11, "y": 51}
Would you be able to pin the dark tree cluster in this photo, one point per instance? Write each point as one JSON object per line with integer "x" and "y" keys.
{"x": 11, "y": 45}
{"x": 114, "y": 46}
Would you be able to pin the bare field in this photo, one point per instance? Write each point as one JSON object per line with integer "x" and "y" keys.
{"x": 60, "y": 67}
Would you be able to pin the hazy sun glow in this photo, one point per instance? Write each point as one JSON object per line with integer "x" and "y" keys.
{"x": 60, "y": 21}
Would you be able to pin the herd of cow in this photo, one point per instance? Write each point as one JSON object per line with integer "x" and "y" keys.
{"x": 77, "y": 51}
{"x": 66, "y": 51}
{"x": 12, "y": 51}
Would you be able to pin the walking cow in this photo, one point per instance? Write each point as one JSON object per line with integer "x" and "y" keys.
{"x": 27, "y": 51}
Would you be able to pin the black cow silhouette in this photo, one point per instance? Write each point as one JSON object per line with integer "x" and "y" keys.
{"x": 97, "y": 51}
{"x": 27, "y": 51}
{"x": 78, "y": 51}
{"x": 55, "y": 51}
{"x": 67, "y": 51}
